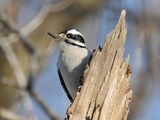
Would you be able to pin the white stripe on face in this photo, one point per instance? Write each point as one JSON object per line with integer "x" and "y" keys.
{"x": 74, "y": 32}
{"x": 77, "y": 42}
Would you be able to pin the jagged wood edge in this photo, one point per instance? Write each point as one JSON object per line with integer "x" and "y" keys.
{"x": 106, "y": 93}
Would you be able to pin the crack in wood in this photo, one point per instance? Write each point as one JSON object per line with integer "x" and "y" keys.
{"x": 106, "y": 94}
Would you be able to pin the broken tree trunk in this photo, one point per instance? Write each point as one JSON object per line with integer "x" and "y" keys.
{"x": 105, "y": 94}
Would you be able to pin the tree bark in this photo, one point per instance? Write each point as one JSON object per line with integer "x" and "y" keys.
{"x": 106, "y": 93}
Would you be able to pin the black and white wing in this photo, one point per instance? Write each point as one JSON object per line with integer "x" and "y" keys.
{"x": 64, "y": 86}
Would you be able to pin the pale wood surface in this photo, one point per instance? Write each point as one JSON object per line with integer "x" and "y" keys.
{"x": 106, "y": 92}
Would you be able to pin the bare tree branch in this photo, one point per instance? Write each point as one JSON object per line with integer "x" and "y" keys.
{"x": 23, "y": 88}
{"x": 8, "y": 115}
{"x": 44, "y": 106}
{"x": 27, "y": 104}
{"x": 106, "y": 93}
{"x": 13, "y": 61}
{"x": 40, "y": 17}
{"x": 12, "y": 34}
{"x": 8, "y": 82}
{"x": 8, "y": 27}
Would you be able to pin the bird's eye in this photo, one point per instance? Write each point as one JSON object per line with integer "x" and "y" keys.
{"x": 70, "y": 36}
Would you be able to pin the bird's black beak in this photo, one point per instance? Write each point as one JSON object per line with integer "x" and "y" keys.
{"x": 53, "y": 35}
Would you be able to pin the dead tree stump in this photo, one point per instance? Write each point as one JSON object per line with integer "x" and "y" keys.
{"x": 106, "y": 93}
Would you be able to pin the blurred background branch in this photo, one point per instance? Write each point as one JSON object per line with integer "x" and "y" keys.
{"x": 12, "y": 59}
{"x": 43, "y": 13}
{"x": 44, "y": 106}
{"x": 8, "y": 115}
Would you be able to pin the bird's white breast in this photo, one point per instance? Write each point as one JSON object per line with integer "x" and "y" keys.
{"x": 72, "y": 62}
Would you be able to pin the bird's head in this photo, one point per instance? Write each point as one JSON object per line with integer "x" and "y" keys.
{"x": 71, "y": 37}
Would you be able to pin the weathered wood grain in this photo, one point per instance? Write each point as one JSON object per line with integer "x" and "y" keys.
{"x": 106, "y": 93}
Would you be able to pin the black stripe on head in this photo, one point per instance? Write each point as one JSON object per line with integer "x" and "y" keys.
{"x": 76, "y": 37}
{"x": 79, "y": 38}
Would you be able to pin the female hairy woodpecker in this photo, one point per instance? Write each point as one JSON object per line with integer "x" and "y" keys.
{"x": 73, "y": 57}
